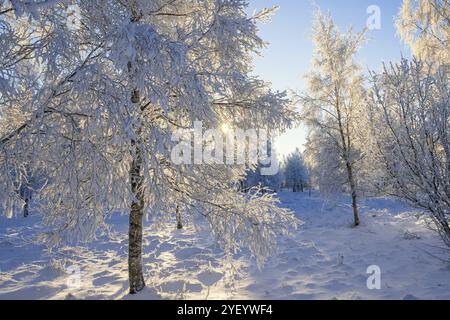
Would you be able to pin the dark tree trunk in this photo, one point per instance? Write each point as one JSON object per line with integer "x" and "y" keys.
{"x": 136, "y": 276}
{"x": 135, "y": 273}
{"x": 25, "y": 207}
{"x": 179, "y": 222}
{"x": 353, "y": 192}
{"x": 346, "y": 145}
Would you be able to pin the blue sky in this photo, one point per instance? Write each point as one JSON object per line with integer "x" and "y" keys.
{"x": 288, "y": 56}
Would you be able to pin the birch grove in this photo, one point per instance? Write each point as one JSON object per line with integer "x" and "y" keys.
{"x": 104, "y": 105}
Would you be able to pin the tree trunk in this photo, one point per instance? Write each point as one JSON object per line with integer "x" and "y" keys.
{"x": 25, "y": 207}
{"x": 136, "y": 276}
{"x": 353, "y": 192}
{"x": 346, "y": 145}
{"x": 135, "y": 272}
{"x": 179, "y": 222}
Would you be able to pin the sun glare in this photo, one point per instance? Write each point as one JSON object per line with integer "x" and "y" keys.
{"x": 225, "y": 127}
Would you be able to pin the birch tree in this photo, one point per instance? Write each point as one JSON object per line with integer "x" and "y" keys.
{"x": 424, "y": 25}
{"x": 257, "y": 177}
{"x": 409, "y": 114}
{"x": 325, "y": 166}
{"x": 335, "y": 94}
{"x": 107, "y": 99}
{"x": 295, "y": 172}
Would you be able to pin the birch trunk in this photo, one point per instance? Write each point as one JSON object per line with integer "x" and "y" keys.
{"x": 179, "y": 222}
{"x": 136, "y": 276}
{"x": 353, "y": 192}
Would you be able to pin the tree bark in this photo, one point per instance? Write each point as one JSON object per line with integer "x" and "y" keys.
{"x": 346, "y": 146}
{"x": 353, "y": 192}
{"x": 179, "y": 222}
{"x": 136, "y": 276}
{"x": 25, "y": 207}
{"x": 135, "y": 273}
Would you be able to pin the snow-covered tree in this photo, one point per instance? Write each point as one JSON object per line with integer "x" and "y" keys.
{"x": 256, "y": 177}
{"x": 409, "y": 113}
{"x": 335, "y": 95}
{"x": 22, "y": 40}
{"x": 295, "y": 172}
{"x": 425, "y": 26}
{"x": 325, "y": 166}
{"x": 105, "y": 98}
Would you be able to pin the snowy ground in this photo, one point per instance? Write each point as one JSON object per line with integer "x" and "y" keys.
{"x": 325, "y": 259}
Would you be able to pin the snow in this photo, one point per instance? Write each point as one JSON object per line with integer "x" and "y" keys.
{"x": 326, "y": 258}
